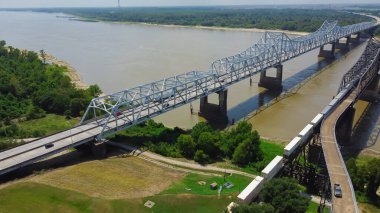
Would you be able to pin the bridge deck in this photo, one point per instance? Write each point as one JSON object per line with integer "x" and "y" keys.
{"x": 334, "y": 161}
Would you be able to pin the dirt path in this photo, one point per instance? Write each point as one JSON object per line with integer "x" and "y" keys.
{"x": 160, "y": 158}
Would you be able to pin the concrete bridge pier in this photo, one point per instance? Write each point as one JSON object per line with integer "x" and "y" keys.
{"x": 344, "y": 127}
{"x": 344, "y": 45}
{"x": 272, "y": 82}
{"x": 327, "y": 53}
{"x": 355, "y": 39}
{"x": 212, "y": 111}
{"x": 98, "y": 149}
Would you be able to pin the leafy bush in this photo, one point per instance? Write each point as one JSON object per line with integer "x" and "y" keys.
{"x": 283, "y": 194}
{"x": 186, "y": 145}
{"x": 201, "y": 157}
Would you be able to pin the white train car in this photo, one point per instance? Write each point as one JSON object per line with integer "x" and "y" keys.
{"x": 333, "y": 102}
{"x": 272, "y": 168}
{"x": 251, "y": 191}
{"x": 293, "y": 145}
{"x": 317, "y": 120}
{"x": 326, "y": 110}
{"x": 306, "y": 132}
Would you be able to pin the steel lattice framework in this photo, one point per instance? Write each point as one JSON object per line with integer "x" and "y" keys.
{"x": 121, "y": 110}
{"x": 364, "y": 70}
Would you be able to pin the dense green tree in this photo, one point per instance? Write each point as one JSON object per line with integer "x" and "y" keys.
{"x": 247, "y": 152}
{"x": 254, "y": 208}
{"x": 236, "y": 136}
{"x": 373, "y": 169}
{"x": 186, "y": 145}
{"x": 199, "y": 128}
{"x": 201, "y": 157}
{"x": 208, "y": 143}
{"x": 283, "y": 194}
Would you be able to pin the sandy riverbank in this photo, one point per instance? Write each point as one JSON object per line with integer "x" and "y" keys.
{"x": 71, "y": 71}
{"x": 197, "y": 27}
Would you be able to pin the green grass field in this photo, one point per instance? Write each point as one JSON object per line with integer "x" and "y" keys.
{"x": 49, "y": 124}
{"x": 271, "y": 149}
{"x": 190, "y": 185}
{"x": 34, "y": 197}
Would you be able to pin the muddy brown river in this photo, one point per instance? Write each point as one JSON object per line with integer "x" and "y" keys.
{"x": 120, "y": 56}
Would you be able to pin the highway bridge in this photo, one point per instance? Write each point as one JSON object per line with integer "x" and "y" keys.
{"x": 112, "y": 113}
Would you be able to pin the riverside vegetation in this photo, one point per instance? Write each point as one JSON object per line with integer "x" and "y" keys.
{"x": 303, "y": 20}
{"x": 242, "y": 146}
{"x": 31, "y": 89}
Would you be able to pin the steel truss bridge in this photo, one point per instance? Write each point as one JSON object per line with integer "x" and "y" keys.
{"x": 114, "y": 112}
{"x": 118, "y": 111}
{"x": 353, "y": 84}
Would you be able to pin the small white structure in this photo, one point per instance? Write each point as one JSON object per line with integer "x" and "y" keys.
{"x": 251, "y": 191}
{"x": 272, "y": 168}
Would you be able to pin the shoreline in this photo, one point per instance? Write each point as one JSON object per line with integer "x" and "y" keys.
{"x": 72, "y": 73}
{"x": 256, "y": 30}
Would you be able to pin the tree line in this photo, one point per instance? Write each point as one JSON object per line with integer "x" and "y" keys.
{"x": 30, "y": 88}
{"x": 365, "y": 177}
{"x": 202, "y": 143}
{"x": 305, "y": 20}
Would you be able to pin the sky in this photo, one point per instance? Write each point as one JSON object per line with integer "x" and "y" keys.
{"x": 135, "y": 3}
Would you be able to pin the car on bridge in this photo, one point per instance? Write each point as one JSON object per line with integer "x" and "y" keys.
{"x": 49, "y": 145}
{"x": 337, "y": 190}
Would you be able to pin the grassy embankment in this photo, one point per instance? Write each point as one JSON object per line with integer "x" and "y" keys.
{"x": 130, "y": 182}
{"x": 50, "y": 124}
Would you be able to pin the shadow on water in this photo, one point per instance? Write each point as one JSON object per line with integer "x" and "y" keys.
{"x": 243, "y": 109}
{"x": 366, "y": 133}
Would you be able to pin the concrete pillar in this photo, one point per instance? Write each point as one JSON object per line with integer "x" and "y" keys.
{"x": 212, "y": 111}
{"x": 272, "y": 82}
{"x": 344, "y": 45}
{"x": 223, "y": 102}
{"x": 344, "y": 127}
{"x": 356, "y": 39}
{"x": 203, "y": 104}
{"x": 327, "y": 53}
{"x": 98, "y": 149}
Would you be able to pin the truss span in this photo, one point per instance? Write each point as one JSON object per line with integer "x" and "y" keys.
{"x": 140, "y": 103}
{"x": 353, "y": 83}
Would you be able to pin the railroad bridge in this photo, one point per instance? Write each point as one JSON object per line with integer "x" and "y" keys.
{"x": 112, "y": 113}
{"x": 319, "y": 143}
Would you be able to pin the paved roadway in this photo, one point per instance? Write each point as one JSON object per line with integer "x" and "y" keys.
{"x": 33, "y": 151}
{"x": 334, "y": 161}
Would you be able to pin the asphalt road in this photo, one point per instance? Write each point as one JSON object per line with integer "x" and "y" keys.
{"x": 334, "y": 161}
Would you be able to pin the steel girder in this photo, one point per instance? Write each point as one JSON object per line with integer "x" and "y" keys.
{"x": 118, "y": 111}
{"x": 359, "y": 76}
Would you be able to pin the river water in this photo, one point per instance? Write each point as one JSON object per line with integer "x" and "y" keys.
{"x": 119, "y": 56}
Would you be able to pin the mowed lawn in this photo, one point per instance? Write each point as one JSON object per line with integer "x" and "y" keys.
{"x": 34, "y": 197}
{"x": 117, "y": 185}
{"x": 191, "y": 185}
{"x": 112, "y": 178}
